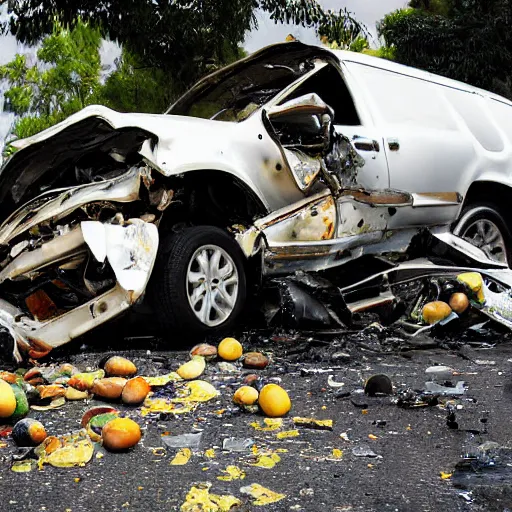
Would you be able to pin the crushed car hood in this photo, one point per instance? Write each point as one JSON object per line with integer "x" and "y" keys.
{"x": 49, "y": 159}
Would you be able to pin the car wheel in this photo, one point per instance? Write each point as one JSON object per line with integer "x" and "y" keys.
{"x": 199, "y": 284}
{"x": 484, "y": 227}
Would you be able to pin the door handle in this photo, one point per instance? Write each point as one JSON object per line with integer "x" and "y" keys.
{"x": 365, "y": 144}
{"x": 393, "y": 144}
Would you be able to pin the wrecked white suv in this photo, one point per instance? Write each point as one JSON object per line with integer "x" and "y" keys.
{"x": 295, "y": 158}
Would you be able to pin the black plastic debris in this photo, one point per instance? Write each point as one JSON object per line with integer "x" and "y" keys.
{"x": 378, "y": 385}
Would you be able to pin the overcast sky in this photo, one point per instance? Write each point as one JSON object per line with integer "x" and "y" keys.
{"x": 366, "y": 11}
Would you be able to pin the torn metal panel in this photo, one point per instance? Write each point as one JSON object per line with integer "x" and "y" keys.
{"x": 498, "y": 305}
{"x": 316, "y": 221}
{"x": 472, "y": 254}
{"x": 310, "y": 104}
{"x": 59, "y": 203}
{"x": 131, "y": 250}
{"x": 27, "y": 263}
{"x": 38, "y": 338}
{"x": 70, "y": 325}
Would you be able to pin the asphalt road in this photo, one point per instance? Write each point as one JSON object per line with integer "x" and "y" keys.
{"x": 413, "y": 446}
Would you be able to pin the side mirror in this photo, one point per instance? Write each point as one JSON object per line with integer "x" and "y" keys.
{"x": 304, "y": 122}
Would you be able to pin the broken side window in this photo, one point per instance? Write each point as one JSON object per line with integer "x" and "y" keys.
{"x": 330, "y": 86}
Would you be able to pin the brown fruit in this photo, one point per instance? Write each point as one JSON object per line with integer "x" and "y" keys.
{"x": 245, "y": 395}
{"x": 459, "y": 302}
{"x": 205, "y": 350}
{"x": 274, "y": 401}
{"x": 135, "y": 391}
{"x": 255, "y": 360}
{"x": 95, "y": 411}
{"x": 9, "y": 377}
{"x": 251, "y": 379}
{"x": 110, "y": 388}
{"x": 51, "y": 391}
{"x": 435, "y": 311}
{"x": 230, "y": 349}
{"x": 32, "y": 374}
{"x": 120, "y": 434}
{"x": 118, "y": 366}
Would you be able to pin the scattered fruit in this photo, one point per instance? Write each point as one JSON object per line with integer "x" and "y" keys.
{"x": 52, "y": 391}
{"x": 459, "y": 302}
{"x": 245, "y": 395}
{"x": 33, "y": 374}
{"x": 9, "y": 377}
{"x": 205, "y": 350}
{"x": 435, "y": 311}
{"x": 120, "y": 434}
{"x": 95, "y": 426}
{"x": 7, "y": 400}
{"x": 118, "y": 366}
{"x": 28, "y": 432}
{"x": 251, "y": 379}
{"x": 74, "y": 394}
{"x": 230, "y": 349}
{"x": 135, "y": 391}
{"x": 255, "y": 360}
{"x": 22, "y": 406}
{"x": 111, "y": 387}
{"x": 474, "y": 282}
{"x": 274, "y": 401}
{"x": 85, "y": 381}
{"x": 192, "y": 369}
{"x": 95, "y": 411}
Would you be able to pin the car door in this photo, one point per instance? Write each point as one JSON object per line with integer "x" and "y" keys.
{"x": 426, "y": 149}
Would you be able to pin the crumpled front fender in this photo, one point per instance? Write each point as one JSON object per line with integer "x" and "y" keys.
{"x": 131, "y": 251}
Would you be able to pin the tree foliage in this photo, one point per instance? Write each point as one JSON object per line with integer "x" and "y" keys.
{"x": 468, "y": 40}
{"x": 65, "y": 79}
{"x": 184, "y": 38}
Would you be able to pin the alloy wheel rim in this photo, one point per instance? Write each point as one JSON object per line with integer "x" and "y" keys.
{"x": 212, "y": 285}
{"x": 486, "y": 235}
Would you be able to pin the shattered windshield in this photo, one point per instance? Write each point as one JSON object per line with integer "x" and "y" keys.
{"x": 234, "y": 93}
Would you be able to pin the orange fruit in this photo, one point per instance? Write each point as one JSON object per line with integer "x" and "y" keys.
{"x": 118, "y": 366}
{"x": 245, "y": 395}
{"x": 230, "y": 349}
{"x": 135, "y": 391}
{"x": 435, "y": 311}
{"x": 459, "y": 302}
{"x": 274, "y": 401}
{"x": 120, "y": 434}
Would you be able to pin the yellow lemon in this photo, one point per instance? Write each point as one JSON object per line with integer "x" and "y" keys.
{"x": 230, "y": 349}
{"x": 274, "y": 401}
{"x": 246, "y": 395}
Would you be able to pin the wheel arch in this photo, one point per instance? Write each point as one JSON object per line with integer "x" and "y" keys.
{"x": 216, "y": 197}
{"x": 490, "y": 192}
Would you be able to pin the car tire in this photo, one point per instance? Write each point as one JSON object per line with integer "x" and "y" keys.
{"x": 484, "y": 226}
{"x": 199, "y": 283}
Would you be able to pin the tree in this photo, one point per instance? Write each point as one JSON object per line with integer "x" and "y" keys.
{"x": 184, "y": 38}
{"x": 66, "y": 79}
{"x": 468, "y": 40}
{"x": 338, "y": 35}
